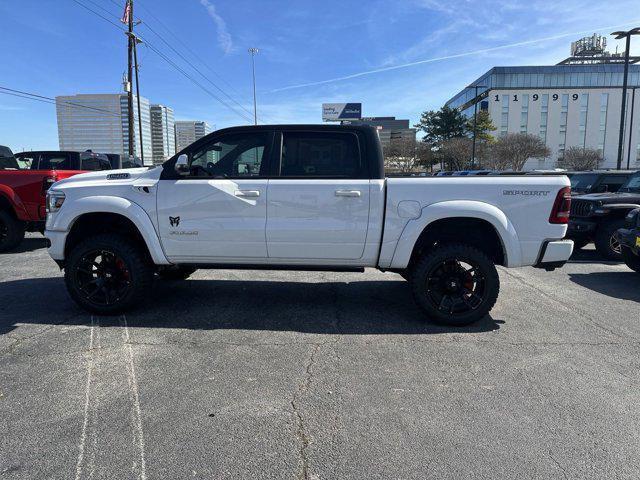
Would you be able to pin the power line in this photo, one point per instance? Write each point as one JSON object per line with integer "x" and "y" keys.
{"x": 52, "y": 101}
{"x": 170, "y": 62}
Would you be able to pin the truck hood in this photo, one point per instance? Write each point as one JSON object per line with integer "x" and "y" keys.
{"x": 109, "y": 177}
{"x": 604, "y": 198}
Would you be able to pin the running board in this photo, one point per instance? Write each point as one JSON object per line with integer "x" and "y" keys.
{"x": 300, "y": 268}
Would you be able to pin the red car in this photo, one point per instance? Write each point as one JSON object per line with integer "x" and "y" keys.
{"x": 24, "y": 181}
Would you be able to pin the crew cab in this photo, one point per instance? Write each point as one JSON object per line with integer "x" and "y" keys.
{"x": 24, "y": 181}
{"x": 629, "y": 238}
{"x": 302, "y": 197}
{"x": 598, "y": 216}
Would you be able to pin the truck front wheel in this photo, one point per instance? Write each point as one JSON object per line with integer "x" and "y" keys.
{"x": 11, "y": 231}
{"x": 108, "y": 274}
{"x": 455, "y": 285}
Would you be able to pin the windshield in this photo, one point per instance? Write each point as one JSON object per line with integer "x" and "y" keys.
{"x": 583, "y": 181}
{"x": 632, "y": 185}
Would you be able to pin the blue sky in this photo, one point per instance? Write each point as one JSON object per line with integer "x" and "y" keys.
{"x": 397, "y": 57}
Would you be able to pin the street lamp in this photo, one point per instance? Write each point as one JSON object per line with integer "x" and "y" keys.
{"x": 475, "y": 121}
{"x": 618, "y": 36}
{"x": 253, "y": 52}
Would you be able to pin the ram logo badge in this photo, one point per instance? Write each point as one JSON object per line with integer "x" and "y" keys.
{"x": 174, "y": 221}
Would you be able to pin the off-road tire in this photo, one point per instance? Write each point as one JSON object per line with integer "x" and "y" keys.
{"x": 178, "y": 273}
{"x": 11, "y": 231}
{"x": 459, "y": 252}
{"x": 137, "y": 263}
{"x": 603, "y": 239}
{"x": 631, "y": 259}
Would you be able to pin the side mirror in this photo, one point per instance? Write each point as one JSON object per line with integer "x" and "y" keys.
{"x": 182, "y": 165}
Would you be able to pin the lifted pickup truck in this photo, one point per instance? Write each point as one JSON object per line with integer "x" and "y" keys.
{"x": 302, "y": 197}
{"x": 24, "y": 181}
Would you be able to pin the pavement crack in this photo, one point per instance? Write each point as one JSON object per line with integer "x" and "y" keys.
{"x": 301, "y": 429}
{"x": 560, "y": 467}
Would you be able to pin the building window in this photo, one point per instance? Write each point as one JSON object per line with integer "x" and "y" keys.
{"x": 504, "y": 121}
{"x": 524, "y": 114}
{"x": 544, "y": 115}
{"x": 584, "y": 109}
{"x": 602, "y": 134}
{"x": 563, "y": 124}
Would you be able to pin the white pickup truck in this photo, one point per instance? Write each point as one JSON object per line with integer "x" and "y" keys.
{"x": 302, "y": 197}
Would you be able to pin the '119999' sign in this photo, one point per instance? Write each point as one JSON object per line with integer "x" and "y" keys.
{"x": 535, "y": 97}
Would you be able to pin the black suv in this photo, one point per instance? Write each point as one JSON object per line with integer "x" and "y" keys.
{"x": 598, "y": 181}
{"x": 597, "y": 217}
{"x": 629, "y": 238}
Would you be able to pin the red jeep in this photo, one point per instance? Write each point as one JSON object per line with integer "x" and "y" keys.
{"x": 24, "y": 181}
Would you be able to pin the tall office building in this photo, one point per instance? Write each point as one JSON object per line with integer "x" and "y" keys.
{"x": 100, "y": 122}
{"x": 574, "y": 103}
{"x": 189, "y": 131}
{"x": 163, "y": 136}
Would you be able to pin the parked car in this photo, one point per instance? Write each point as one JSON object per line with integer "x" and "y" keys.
{"x": 598, "y": 181}
{"x": 443, "y": 173}
{"x": 301, "y": 197}
{"x": 629, "y": 238}
{"x": 23, "y": 188}
{"x": 598, "y": 216}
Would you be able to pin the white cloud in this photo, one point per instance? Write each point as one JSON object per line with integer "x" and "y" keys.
{"x": 224, "y": 38}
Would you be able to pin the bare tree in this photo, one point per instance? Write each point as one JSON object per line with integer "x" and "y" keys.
{"x": 456, "y": 153}
{"x": 514, "y": 149}
{"x": 578, "y": 158}
{"x": 403, "y": 155}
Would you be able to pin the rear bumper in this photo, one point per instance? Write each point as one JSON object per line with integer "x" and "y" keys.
{"x": 554, "y": 254}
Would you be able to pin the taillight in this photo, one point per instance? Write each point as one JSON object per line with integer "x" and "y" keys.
{"x": 47, "y": 182}
{"x": 561, "y": 206}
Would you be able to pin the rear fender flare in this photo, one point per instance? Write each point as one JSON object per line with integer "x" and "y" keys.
{"x": 459, "y": 208}
{"x": 16, "y": 204}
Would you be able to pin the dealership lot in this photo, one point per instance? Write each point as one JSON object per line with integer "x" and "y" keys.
{"x": 237, "y": 374}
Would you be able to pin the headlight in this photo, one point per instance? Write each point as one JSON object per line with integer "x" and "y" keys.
{"x": 54, "y": 201}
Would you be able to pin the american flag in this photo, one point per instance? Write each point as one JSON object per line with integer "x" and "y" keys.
{"x": 127, "y": 13}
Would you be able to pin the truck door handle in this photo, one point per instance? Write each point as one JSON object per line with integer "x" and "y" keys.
{"x": 247, "y": 193}
{"x": 348, "y": 193}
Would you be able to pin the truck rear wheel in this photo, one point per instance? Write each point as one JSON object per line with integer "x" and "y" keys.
{"x": 631, "y": 259}
{"x": 606, "y": 240}
{"x": 11, "y": 231}
{"x": 108, "y": 274}
{"x": 455, "y": 285}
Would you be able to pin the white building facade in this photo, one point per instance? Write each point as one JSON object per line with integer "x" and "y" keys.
{"x": 163, "y": 137}
{"x": 100, "y": 122}
{"x": 189, "y": 131}
{"x": 566, "y": 105}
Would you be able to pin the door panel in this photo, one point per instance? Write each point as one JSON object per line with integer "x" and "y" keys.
{"x": 317, "y": 218}
{"x": 212, "y": 220}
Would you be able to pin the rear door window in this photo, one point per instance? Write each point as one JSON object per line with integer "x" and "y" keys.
{"x": 613, "y": 182}
{"x": 55, "y": 161}
{"x": 321, "y": 154}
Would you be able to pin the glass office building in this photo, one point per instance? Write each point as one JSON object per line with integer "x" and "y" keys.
{"x": 163, "y": 135}
{"x": 100, "y": 122}
{"x": 566, "y": 105}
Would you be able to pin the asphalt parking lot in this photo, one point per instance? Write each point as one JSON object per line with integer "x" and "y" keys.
{"x": 238, "y": 374}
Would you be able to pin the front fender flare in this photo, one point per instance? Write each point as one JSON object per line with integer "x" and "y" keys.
{"x": 458, "y": 208}
{"x": 15, "y": 202}
{"x": 65, "y": 218}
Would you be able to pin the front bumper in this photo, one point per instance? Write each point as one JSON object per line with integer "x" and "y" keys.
{"x": 581, "y": 229}
{"x": 56, "y": 243}
{"x": 630, "y": 238}
{"x": 554, "y": 254}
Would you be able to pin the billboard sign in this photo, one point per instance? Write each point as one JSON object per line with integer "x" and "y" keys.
{"x": 334, "y": 112}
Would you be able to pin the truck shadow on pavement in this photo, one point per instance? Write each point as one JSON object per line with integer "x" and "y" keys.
{"x": 29, "y": 244}
{"x": 589, "y": 255}
{"x": 622, "y": 285}
{"x": 353, "y": 308}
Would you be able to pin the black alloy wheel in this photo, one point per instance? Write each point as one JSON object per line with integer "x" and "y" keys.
{"x": 455, "y": 287}
{"x": 102, "y": 277}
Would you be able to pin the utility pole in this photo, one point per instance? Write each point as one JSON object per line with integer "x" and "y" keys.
{"x": 128, "y": 16}
{"x": 633, "y": 102}
{"x": 475, "y": 123}
{"x": 627, "y": 36}
{"x": 135, "y": 60}
{"x": 253, "y": 52}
